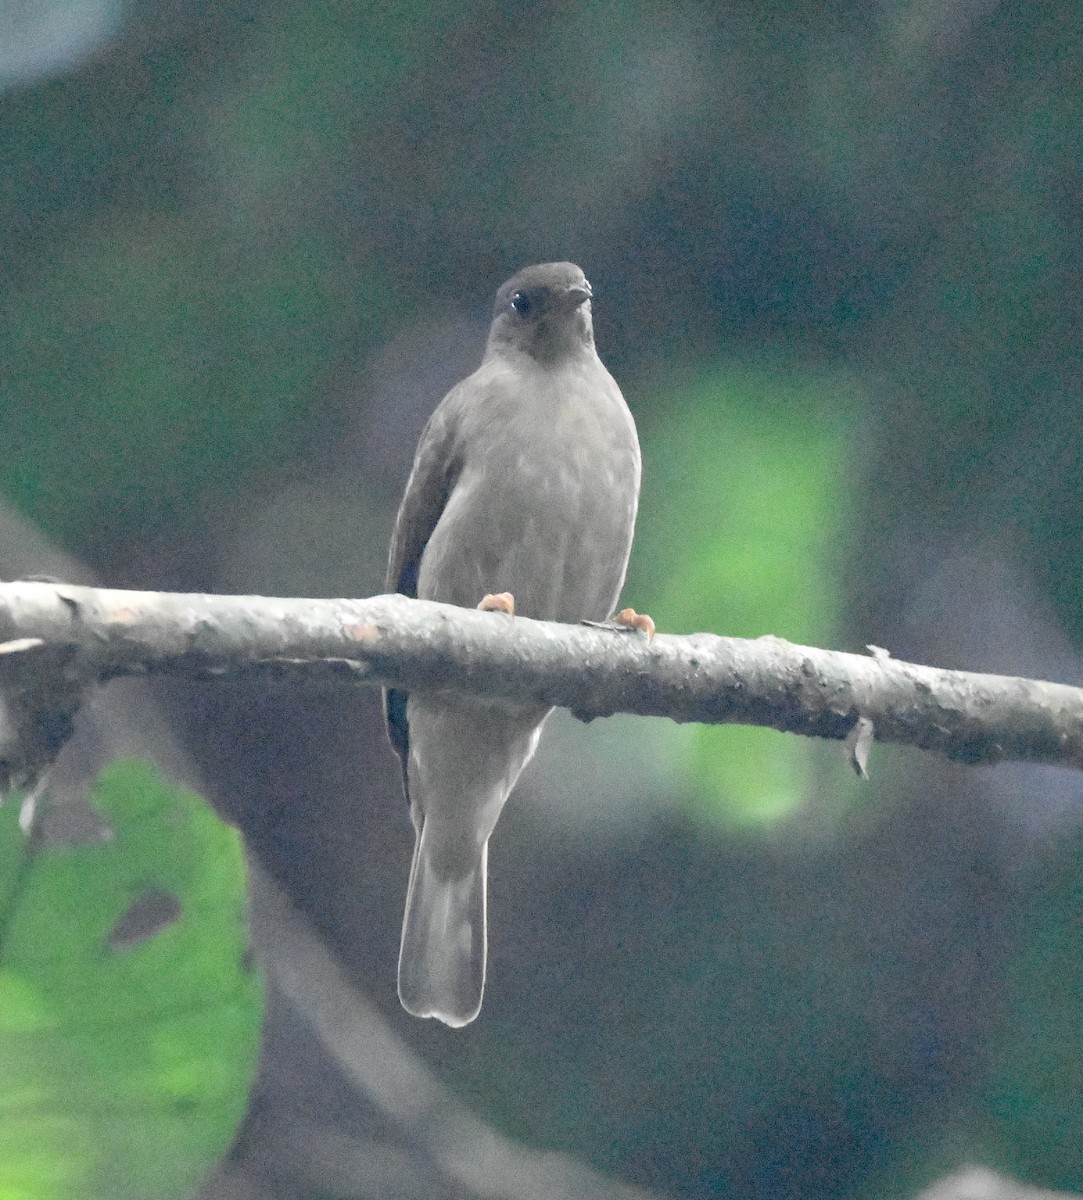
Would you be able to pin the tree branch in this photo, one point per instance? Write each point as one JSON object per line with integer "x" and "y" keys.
{"x": 55, "y": 638}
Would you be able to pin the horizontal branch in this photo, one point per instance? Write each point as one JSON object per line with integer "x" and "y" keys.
{"x": 54, "y": 637}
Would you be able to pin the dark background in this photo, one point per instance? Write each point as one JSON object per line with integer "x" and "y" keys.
{"x": 836, "y": 258}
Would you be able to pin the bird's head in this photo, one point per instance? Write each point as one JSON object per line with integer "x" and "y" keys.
{"x": 544, "y": 311}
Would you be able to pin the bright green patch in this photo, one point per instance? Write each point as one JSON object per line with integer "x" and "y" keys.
{"x": 744, "y": 514}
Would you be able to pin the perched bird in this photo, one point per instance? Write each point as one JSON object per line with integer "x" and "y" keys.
{"x": 522, "y": 499}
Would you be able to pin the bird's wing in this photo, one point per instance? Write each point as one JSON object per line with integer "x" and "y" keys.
{"x": 436, "y": 467}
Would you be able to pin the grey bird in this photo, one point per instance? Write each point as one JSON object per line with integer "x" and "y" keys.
{"x": 522, "y": 499}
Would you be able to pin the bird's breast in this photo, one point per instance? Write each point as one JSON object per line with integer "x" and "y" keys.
{"x": 544, "y": 509}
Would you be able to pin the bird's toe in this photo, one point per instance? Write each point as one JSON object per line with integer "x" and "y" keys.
{"x": 628, "y": 618}
{"x": 498, "y": 602}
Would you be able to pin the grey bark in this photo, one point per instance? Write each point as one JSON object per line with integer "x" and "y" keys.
{"x": 57, "y": 639}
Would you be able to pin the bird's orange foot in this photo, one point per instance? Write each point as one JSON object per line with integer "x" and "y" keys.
{"x": 499, "y": 602}
{"x": 640, "y": 622}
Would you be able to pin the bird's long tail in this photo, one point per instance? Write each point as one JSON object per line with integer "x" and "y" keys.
{"x": 442, "y": 958}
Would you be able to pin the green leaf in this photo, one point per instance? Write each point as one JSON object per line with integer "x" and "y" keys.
{"x": 129, "y": 1016}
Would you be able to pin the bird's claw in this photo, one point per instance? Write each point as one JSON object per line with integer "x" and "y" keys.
{"x": 503, "y": 602}
{"x": 628, "y": 618}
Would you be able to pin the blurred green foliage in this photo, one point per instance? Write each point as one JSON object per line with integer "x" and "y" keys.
{"x": 148, "y": 382}
{"x": 125, "y": 1059}
{"x": 744, "y": 517}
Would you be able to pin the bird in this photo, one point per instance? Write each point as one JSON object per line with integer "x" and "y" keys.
{"x": 522, "y": 500}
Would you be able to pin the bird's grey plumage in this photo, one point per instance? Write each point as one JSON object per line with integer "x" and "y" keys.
{"x": 526, "y": 480}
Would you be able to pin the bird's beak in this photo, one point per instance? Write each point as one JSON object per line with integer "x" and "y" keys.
{"x": 577, "y": 294}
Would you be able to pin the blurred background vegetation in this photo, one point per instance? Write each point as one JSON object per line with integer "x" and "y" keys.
{"x": 836, "y": 257}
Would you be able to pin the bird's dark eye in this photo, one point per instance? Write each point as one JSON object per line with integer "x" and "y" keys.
{"x": 522, "y": 304}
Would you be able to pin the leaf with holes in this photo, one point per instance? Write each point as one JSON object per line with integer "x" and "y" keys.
{"x": 129, "y": 1014}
